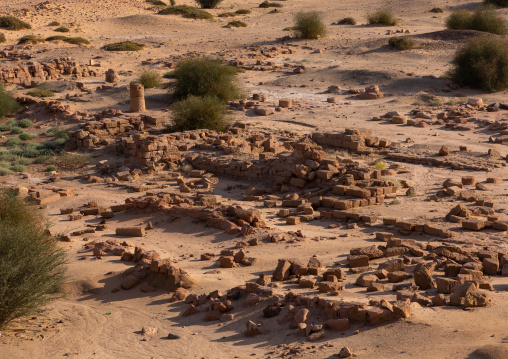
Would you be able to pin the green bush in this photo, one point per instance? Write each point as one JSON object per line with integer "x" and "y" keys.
{"x": 32, "y": 266}
{"x": 44, "y": 159}
{"x": 18, "y": 168}
{"x": 401, "y": 43}
{"x": 30, "y": 39}
{"x": 25, "y": 123}
{"x": 205, "y": 76}
{"x": 208, "y": 4}
{"x": 236, "y": 24}
{"x": 22, "y": 161}
{"x": 187, "y": 12}
{"x": 308, "y": 25}
{"x": 124, "y": 46}
{"x": 436, "y": 10}
{"x": 13, "y": 142}
{"x": 4, "y": 172}
{"x": 243, "y": 11}
{"x": 8, "y": 105}
{"x": 483, "y": 64}
{"x": 347, "y": 21}
{"x": 13, "y": 23}
{"x": 15, "y": 130}
{"x": 150, "y": 79}
{"x": 70, "y": 40}
{"x": 199, "y": 113}
{"x": 2, "y": 38}
{"x": 51, "y": 168}
{"x": 267, "y": 4}
{"x": 62, "y": 29}
{"x": 382, "y": 17}
{"x": 26, "y": 137}
{"x": 500, "y": 3}
{"x": 483, "y": 19}
{"x": 54, "y": 23}
{"x": 41, "y": 93}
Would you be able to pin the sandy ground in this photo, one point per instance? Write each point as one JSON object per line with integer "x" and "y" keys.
{"x": 91, "y": 321}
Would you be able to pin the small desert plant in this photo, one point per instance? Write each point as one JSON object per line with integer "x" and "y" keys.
{"x": 347, "y": 21}
{"x": 8, "y": 105}
{"x": 194, "y": 113}
{"x": 382, "y": 17}
{"x": 30, "y": 39}
{"x": 54, "y": 23}
{"x": 61, "y": 136}
{"x": 18, "y": 168}
{"x": 25, "y": 123}
{"x": 15, "y": 130}
{"x": 26, "y": 137}
{"x": 483, "y": 64}
{"x": 62, "y": 29}
{"x": 308, "y": 25}
{"x": 150, "y": 79}
{"x": 208, "y": 4}
{"x": 156, "y": 2}
{"x": 436, "y": 10}
{"x": 73, "y": 161}
{"x": 124, "y": 46}
{"x": 236, "y": 24}
{"x": 5, "y": 171}
{"x": 435, "y": 103}
{"x": 379, "y": 165}
{"x": 205, "y": 76}
{"x": 228, "y": 14}
{"x": 51, "y": 168}
{"x": 41, "y": 93}
{"x": 13, "y": 142}
{"x": 500, "y": 3}
{"x": 484, "y": 19}
{"x": 13, "y": 23}
{"x": 2, "y": 38}
{"x": 401, "y": 43}
{"x": 267, "y": 4}
{"x": 70, "y": 40}
{"x": 32, "y": 266}
{"x": 243, "y": 11}
{"x": 187, "y": 11}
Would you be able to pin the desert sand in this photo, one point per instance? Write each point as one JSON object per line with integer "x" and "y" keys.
{"x": 97, "y": 318}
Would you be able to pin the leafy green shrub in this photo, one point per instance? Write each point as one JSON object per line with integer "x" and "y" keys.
{"x": 70, "y": 40}
{"x": 150, "y": 79}
{"x": 13, "y": 23}
{"x": 5, "y": 172}
{"x": 25, "y": 123}
{"x": 124, "y": 46}
{"x": 32, "y": 266}
{"x": 382, "y": 17}
{"x": 308, "y": 25}
{"x": 8, "y": 105}
{"x": 243, "y": 11}
{"x": 208, "y": 4}
{"x": 500, "y": 3}
{"x": 54, "y": 23}
{"x": 267, "y": 4}
{"x": 30, "y": 39}
{"x": 62, "y": 29}
{"x": 187, "y": 12}
{"x": 35, "y": 150}
{"x": 18, "y": 168}
{"x": 205, "y": 76}
{"x": 41, "y": 93}
{"x": 436, "y": 10}
{"x": 44, "y": 159}
{"x": 26, "y": 137}
{"x": 347, "y": 21}
{"x": 22, "y": 161}
{"x": 199, "y": 113}
{"x": 2, "y": 38}
{"x": 13, "y": 142}
{"x": 483, "y": 64}
{"x": 15, "y": 130}
{"x": 228, "y": 14}
{"x": 483, "y": 19}
{"x": 236, "y": 24}
{"x": 51, "y": 168}
{"x": 401, "y": 43}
